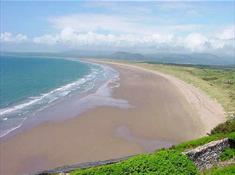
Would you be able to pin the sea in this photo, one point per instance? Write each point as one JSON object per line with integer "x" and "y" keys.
{"x": 30, "y": 84}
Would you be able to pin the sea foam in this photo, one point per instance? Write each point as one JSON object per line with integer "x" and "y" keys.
{"x": 19, "y": 111}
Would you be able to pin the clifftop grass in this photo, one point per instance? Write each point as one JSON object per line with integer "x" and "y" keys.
{"x": 162, "y": 162}
{"x": 201, "y": 141}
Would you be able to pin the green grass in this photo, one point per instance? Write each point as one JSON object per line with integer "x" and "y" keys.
{"x": 228, "y": 170}
{"x": 227, "y": 154}
{"x": 162, "y": 163}
{"x": 201, "y": 141}
{"x": 198, "y": 142}
{"x": 218, "y": 83}
{"x": 169, "y": 161}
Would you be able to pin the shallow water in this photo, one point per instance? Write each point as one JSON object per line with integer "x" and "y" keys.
{"x": 29, "y": 86}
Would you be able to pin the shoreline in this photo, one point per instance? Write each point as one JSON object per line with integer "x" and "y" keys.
{"x": 109, "y": 132}
{"x": 206, "y": 106}
{"x": 30, "y": 118}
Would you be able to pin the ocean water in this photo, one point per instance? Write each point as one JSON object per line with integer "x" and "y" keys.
{"x": 31, "y": 84}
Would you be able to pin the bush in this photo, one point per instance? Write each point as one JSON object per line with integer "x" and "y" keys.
{"x": 227, "y": 154}
{"x": 231, "y": 135}
{"x": 226, "y": 127}
{"x": 161, "y": 162}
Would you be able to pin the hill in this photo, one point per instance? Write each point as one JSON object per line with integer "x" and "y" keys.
{"x": 127, "y": 56}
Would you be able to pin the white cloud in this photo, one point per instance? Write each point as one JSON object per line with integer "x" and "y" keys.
{"x": 227, "y": 34}
{"x": 9, "y": 37}
{"x": 118, "y": 24}
{"x": 46, "y": 39}
{"x": 196, "y": 41}
{"x": 91, "y": 22}
{"x": 71, "y": 37}
{"x": 110, "y": 31}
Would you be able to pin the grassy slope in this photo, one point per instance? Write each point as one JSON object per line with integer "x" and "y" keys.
{"x": 227, "y": 170}
{"x": 218, "y": 83}
{"x": 201, "y": 141}
{"x": 162, "y": 162}
{"x": 169, "y": 161}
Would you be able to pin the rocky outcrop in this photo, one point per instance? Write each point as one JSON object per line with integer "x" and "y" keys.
{"x": 207, "y": 155}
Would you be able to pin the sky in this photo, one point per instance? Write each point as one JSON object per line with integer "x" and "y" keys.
{"x": 140, "y": 26}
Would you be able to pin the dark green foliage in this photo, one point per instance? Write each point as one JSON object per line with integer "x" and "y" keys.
{"x": 231, "y": 135}
{"x": 228, "y": 170}
{"x": 227, "y": 154}
{"x": 226, "y": 127}
{"x": 209, "y": 78}
{"x": 163, "y": 162}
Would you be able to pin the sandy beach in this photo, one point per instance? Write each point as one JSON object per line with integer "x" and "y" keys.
{"x": 162, "y": 111}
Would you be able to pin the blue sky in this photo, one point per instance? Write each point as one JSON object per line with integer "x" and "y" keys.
{"x": 142, "y": 25}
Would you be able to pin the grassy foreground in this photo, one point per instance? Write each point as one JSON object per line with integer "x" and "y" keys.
{"x": 218, "y": 83}
{"x": 227, "y": 170}
{"x": 164, "y": 162}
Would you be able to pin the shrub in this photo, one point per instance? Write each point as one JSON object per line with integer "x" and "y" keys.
{"x": 231, "y": 135}
{"x": 161, "y": 162}
{"x": 227, "y": 154}
{"x": 226, "y": 127}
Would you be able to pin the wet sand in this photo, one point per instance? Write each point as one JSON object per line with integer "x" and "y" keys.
{"x": 160, "y": 114}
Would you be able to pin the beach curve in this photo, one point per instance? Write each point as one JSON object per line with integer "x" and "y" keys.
{"x": 210, "y": 111}
{"x": 161, "y": 115}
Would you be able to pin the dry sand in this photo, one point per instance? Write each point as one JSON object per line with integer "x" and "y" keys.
{"x": 163, "y": 111}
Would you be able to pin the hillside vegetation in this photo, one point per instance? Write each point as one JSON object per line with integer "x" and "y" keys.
{"x": 164, "y": 162}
